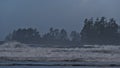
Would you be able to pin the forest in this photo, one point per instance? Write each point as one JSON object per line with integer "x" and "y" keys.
{"x": 99, "y": 31}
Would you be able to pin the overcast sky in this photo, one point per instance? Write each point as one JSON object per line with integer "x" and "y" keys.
{"x": 43, "y": 14}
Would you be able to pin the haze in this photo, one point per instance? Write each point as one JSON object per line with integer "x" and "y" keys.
{"x": 43, "y": 14}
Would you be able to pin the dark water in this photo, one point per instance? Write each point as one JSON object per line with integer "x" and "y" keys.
{"x": 51, "y": 65}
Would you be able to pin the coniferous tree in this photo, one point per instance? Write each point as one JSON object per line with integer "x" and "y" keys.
{"x": 63, "y": 35}
{"x": 100, "y": 32}
{"x": 75, "y": 36}
{"x": 24, "y": 35}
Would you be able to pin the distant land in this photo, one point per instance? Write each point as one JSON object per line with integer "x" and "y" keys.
{"x": 100, "y": 31}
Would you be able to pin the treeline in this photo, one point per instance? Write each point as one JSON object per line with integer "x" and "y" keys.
{"x": 99, "y": 31}
{"x": 54, "y": 36}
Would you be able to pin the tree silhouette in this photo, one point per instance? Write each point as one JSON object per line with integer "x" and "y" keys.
{"x": 75, "y": 36}
{"x": 24, "y": 35}
{"x": 100, "y": 31}
{"x": 63, "y": 35}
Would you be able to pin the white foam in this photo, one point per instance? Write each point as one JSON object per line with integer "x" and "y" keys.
{"x": 13, "y": 45}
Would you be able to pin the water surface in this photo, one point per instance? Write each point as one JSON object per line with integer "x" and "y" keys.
{"x": 53, "y": 67}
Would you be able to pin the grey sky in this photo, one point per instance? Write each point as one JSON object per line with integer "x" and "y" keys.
{"x": 43, "y": 14}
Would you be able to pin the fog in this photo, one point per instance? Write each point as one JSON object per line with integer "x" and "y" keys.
{"x": 43, "y": 14}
